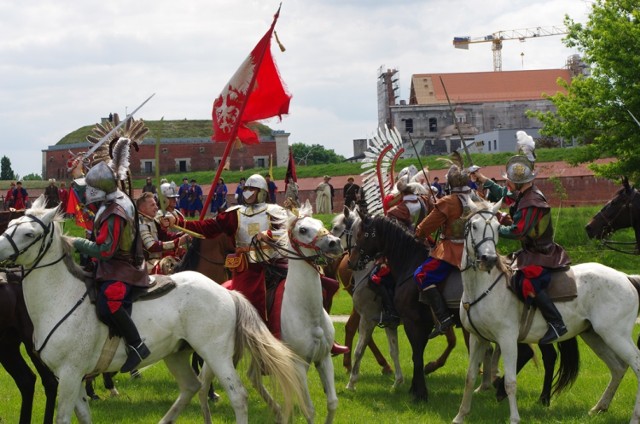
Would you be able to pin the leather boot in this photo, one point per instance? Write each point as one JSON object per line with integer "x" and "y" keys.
{"x": 553, "y": 317}
{"x": 389, "y": 316}
{"x": 136, "y": 348}
{"x": 433, "y": 298}
{"x": 337, "y": 349}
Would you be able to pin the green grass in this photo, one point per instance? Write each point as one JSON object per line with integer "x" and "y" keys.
{"x": 146, "y": 400}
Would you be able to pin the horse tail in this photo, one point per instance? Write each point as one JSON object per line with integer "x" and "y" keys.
{"x": 635, "y": 281}
{"x": 569, "y": 365}
{"x": 269, "y": 355}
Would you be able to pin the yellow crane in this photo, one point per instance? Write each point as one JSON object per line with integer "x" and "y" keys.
{"x": 497, "y": 38}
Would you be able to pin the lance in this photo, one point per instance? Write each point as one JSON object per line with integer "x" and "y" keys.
{"x": 457, "y": 124}
{"x": 116, "y": 128}
{"x": 634, "y": 118}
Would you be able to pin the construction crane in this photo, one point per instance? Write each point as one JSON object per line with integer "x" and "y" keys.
{"x": 497, "y": 38}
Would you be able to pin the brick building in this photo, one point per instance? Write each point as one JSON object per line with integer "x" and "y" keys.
{"x": 177, "y": 154}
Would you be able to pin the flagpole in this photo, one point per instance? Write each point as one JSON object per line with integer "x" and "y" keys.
{"x": 234, "y": 131}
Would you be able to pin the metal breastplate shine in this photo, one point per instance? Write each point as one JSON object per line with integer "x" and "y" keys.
{"x": 251, "y": 221}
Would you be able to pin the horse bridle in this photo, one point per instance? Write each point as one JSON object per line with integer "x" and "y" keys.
{"x": 48, "y": 230}
{"x": 363, "y": 257}
{"x": 608, "y": 223}
{"x": 485, "y": 238}
{"x": 348, "y": 232}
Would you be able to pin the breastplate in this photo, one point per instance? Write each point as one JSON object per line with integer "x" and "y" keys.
{"x": 249, "y": 225}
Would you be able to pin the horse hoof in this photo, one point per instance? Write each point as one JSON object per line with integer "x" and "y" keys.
{"x": 386, "y": 370}
{"x": 114, "y": 392}
{"x": 213, "y": 397}
{"x": 94, "y": 397}
{"x": 545, "y": 401}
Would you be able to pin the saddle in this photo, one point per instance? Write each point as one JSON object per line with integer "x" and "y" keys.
{"x": 160, "y": 285}
{"x": 11, "y": 276}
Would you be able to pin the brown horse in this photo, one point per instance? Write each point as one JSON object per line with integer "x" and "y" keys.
{"x": 16, "y": 328}
{"x": 207, "y": 256}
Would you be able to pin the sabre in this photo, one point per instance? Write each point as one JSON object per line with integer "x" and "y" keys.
{"x": 466, "y": 150}
{"x": 116, "y": 128}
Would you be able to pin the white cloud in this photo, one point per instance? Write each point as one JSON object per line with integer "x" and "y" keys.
{"x": 65, "y": 64}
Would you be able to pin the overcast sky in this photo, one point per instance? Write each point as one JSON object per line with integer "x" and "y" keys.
{"x": 65, "y": 64}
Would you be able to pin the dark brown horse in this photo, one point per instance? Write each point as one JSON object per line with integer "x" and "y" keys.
{"x": 622, "y": 211}
{"x": 16, "y": 329}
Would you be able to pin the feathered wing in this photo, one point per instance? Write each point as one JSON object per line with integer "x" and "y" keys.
{"x": 378, "y": 167}
{"x": 526, "y": 145}
{"x": 134, "y": 129}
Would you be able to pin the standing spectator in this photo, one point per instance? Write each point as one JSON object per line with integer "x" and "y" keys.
{"x": 333, "y": 192}
{"x": 272, "y": 189}
{"x": 219, "y": 197}
{"x": 63, "y": 195}
{"x": 350, "y": 192}
{"x": 20, "y": 197}
{"x": 149, "y": 187}
{"x": 183, "y": 197}
{"x": 8, "y": 200}
{"x": 239, "y": 190}
{"x": 323, "y": 196}
{"x": 291, "y": 193}
{"x": 51, "y": 194}
{"x": 194, "y": 198}
{"x": 436, "y": 184}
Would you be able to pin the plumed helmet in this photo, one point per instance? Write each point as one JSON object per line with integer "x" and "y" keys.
{"x": 102, "y": 177}
{"x": 457, "y": 177}
{"x": 169, "y": 190}
{"x": 519, "y": 170}
{"x": 256, "y": 181}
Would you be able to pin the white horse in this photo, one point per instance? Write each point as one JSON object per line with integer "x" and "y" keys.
{"x": 306, "y": 327}
{"x": 366, "y": 302}
{"x": 603, "y": 314}
{"x": 198, "y": 315}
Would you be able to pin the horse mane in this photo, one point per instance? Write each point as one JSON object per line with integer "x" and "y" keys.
{"x": 191, "y": 258}
{"x": 399, "y": 243}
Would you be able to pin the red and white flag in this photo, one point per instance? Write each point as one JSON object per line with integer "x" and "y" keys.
{"x": 254, "y": 92}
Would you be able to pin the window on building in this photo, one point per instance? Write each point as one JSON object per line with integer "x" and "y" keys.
{"x": 433, "y": 125}
{"x": 408, "y": 125}
{"x": 201, "y": 149}
{"x": 261, "y": 162}
{"x": 165, "y": 150}
{"x": 183, "y": 165}
{"x": 495, "y": 144}
{"x": 147, "y": 167}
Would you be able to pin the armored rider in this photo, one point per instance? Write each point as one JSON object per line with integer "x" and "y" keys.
{"x": 256, "y": 218}
{"x": 531, "y": 215}
{"x": 119, "y": 258}
{"x": 447, "y": 254}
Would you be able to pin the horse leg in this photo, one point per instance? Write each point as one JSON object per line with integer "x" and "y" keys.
{"x": 325, "y": 370}
{"x": 525, "y": 353}
{"x": 417, "y": 333}
{"x": 617, "y": 368}
{"x": 488, "y": 371}
{"x": 12, "y": 360}
{"x": 255, "y": 376}
{"x": 350, "y": 329}
{"x": 510, "y": 361}
{"x": 70, "y": 397}
{"x": 549, "y": 357}
{"x": 477, "y": 347}
{"x": 366, "y": 330}
{"x": 179, "y": 366}
{"x": 394, "y": 351}
{"x": 196, "y": 364}
{"x": 439, "y": 363}
{"x": 50, "y": 384}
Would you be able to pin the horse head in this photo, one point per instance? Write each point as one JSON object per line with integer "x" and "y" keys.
{"x": 481, "y": 236}
{"x": 343, "y": 225}
{"x": 366, "y": 246}
{"x": 619, "y": 212}
{"x": 309, "y": 238}
{"x": 27, "y": 239}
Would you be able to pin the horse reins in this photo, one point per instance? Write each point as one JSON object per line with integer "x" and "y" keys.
{"x": 608, "y": 227}
{"x": 467, "y": 305}
{"x": 44, "y": 247}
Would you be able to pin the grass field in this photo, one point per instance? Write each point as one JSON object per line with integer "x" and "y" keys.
{"x": 147, "y": 399}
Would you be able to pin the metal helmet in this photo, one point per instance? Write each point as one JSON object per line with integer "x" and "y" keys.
{"x": 519, "y": 170}
{"x": 458, "y": 178}
{"x": 100, "y": 181}
{"x": 169, "y": 190}
{"x": 256, "y": 181}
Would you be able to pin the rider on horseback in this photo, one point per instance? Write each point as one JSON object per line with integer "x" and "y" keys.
{"x": 253, "y": 219}
{"x": 447, "y": 254}
{"x": 531, "y": 215}
{"x": 120, "y": 263}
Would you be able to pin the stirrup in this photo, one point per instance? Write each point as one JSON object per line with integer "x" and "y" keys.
{"x": 553, "y": 333}
{"x": 441, "y": 328}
